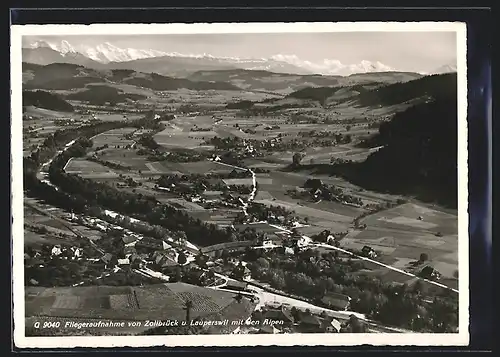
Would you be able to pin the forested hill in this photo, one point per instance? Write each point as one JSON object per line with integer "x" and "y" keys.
{"x": 427, "y": 87}
{"x": 419, "y": 156}
{"x": 46, "y": 100}
{"x": 376, "y": 94}
{"x": 101, "y": 94}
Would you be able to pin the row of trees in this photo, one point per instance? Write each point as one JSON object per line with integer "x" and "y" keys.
{"x": 339, "y": 137}
{"x": 110, "y": 164}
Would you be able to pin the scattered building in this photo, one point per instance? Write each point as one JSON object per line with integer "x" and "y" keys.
{"x": 331, "y": 325}
{"x": 149, "y": 243}
{"x": 129, "y": 239}
{"x": 211, "y": 194}
{"x": 336, "y": 301}
{"x": 109, "y": 260}
{"x": 268, "y": 329}
{"x": 368, "y": 252}
{"x": 309, "y": 323}
{"x": 429, "y": 272}
{"x": 282, "y": 314}
{"x": 33, "y": 282}
{"x": 56, "y": 250}
{"x": 129, "y": 249}
{"x": 236, "y": 285}
{"x": 124, "y": 262}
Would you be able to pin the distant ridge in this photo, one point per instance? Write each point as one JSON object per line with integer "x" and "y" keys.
{"x": 108, "y": 55}
{"x": 63, "y": 76}
{"x": 69, "y": 76}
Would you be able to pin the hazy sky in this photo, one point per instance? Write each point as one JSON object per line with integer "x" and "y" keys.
{"x": 410, "y": 51}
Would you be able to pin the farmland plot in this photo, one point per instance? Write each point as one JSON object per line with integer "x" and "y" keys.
{"x": 114, "y": 137}
{"x": 304, "y": 211}
{"x": 89, "y": 169}
{"x": 176, "y": 137}
{"x": 239, "y": 181}
{"x": 126, "y": 158}
{"x": 406, "y": 217}
{"x": 190, "y": 206}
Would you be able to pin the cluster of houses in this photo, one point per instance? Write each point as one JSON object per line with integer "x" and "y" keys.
{"x": 298, "y": 321}
{"x": 207, "y": 197}
{"x": 318, "y": 191}
{"x": 61, "y": 251}
{"x": 136, "y": 251}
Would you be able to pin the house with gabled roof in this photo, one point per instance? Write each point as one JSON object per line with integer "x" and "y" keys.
{"x": 331, "y": 325}
{"x": 309, "y": 323}
{"x": 336, "y": 301}
{"x": 129, "y": 239}
{"x": 282, "y": 314}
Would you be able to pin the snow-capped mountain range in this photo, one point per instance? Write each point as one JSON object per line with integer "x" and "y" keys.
{"x": 111, "y": 55}
{"x": 103, "y": 53}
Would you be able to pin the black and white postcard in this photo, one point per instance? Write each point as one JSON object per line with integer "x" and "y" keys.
{"x": 239, "y": 184}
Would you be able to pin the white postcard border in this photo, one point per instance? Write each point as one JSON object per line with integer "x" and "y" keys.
{"x": 415, "y": 339}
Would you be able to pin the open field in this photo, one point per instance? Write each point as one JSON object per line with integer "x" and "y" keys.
{"x": 114, "y": 137}
{"x": 328, "y": 220}
{"x": 176, "y": 135}
{"x": 114, "y": 116}
{"x": 202, "y": 167}
{"x": 239, "y": 181}
{"x": 219, "y": 217}
{"x": 297, "y": 179}
{"x": 396, "y": 233}
{"x": 36, "y": 112}
{"x": 406, "y": 217}
{"x": 126, "y": 158}
{"x": 32, "y": 238}
{"x": 89, "y": 169}
{"x": 188, "y": 206}
{"x": 211, "y": 97}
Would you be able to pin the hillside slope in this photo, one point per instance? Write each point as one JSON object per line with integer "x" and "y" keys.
{"x": 427, "y": 87}
{"x": 377, "y": 94}
{"x": 418, "y": 157}
{"x": 65, "y": 76}
{"x": 331, "y": 94}
{"x": 46, "y": 100}
{"x": 101, "y": 94}
{"x": 265, "y": 80}
{"x": 288, "y": 83}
